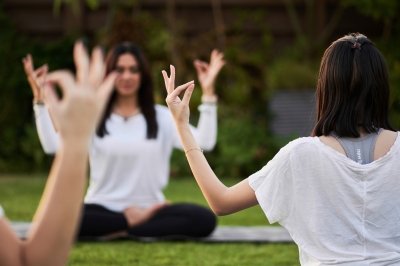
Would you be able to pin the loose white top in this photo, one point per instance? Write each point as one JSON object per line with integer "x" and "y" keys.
{"x": 336, "y": 210}
{"x": 1, "y": 212}
{"x": 126, "y": 168}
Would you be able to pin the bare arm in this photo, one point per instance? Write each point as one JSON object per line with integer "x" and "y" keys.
{"x": 56, "y": 219}
{"x": 222, "y": 200}
{"x": 50, "y": 241}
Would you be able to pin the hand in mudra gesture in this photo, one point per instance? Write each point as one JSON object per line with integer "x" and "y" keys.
{"x": 179, "y": 107}
{"x": 35, "y": 77}
{"x": 84, "y": 96}
{"x": 207, "y": 72}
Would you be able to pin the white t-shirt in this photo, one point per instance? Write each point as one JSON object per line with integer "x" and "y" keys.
{"x": 337, "y": 211}
{"x": 126, "y": 168}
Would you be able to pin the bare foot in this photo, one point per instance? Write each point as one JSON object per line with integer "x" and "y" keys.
{"x": 117, "y": 234}
{"x": 136, "y": 216}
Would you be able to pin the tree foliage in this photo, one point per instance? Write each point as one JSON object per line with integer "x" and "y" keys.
{"x": 377, "y": 9}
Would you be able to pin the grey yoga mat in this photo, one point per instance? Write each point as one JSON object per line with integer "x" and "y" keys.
{"x": 257, "y": 234}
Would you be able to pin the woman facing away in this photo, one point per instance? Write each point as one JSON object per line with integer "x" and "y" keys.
{"x": 50, "y": 239}
{"x": 130, "y": 151}
{"x": 337, "y": 192}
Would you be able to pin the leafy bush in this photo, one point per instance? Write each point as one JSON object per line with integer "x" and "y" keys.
{"x": 244, "y": 144}
{"x": 20, "y": 148}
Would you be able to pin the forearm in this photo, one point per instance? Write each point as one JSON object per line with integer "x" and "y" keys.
{"x": 48, "y": 136}
{"x": 59, "y": 210}
{"x": 206, "y": 131}
{"x": 222, "y": 200}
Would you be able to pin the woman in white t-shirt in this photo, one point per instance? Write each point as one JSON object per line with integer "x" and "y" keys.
{"x": 337, "y": 192}
{"x": 130, "y": 152}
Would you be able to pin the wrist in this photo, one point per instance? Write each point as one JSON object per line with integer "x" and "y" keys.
{"x": 38, "y": 101}
{"x": 76, "y": 143}
{"x": 209, "y": 98}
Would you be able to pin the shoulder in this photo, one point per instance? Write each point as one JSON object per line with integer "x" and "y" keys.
{"x": 298, "y": 147}
{"x": 385, "y": 141}
{"x": 162, "y": 110}
{"x": 164, "y": 117}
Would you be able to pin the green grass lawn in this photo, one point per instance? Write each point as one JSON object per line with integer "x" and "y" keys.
{"x": 20, "y": 195}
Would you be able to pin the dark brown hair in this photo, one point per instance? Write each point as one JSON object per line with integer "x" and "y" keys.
{"x": 352, "y": 89}
{"x": 145, "y": 93}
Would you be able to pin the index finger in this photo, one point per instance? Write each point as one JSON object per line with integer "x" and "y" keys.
{"x": 172, "y": 79}
{"x": 28, "y": 64}
{"x": 166, "y": 81}
{"x": 63, "y": 78}
{"x": 81, "y": 59}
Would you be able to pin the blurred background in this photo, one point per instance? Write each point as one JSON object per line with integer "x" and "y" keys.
{"x": 266, "y": 90}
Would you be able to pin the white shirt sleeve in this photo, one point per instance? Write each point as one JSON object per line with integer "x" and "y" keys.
{"x": 274, "y": 186}
{"x": 48, "y": 136}
{"x": 1, "y": 212}
{"x": 206, "y": 131}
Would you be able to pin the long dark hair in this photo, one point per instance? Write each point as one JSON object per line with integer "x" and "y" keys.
{"x": 352, "y": 89}
{"x": 145, "y": 93}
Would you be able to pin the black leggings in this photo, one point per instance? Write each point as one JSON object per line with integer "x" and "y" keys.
{"x": 175, "y": 220}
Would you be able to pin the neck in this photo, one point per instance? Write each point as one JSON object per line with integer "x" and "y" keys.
{"x": 127, "y": 102}
{"x": 362, "y": 131}
{"x": 126, "y": 106}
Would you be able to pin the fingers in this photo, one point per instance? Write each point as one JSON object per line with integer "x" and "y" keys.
{"x": 81, "y": 60}
{"x": 181, "y": 88}
{"x": 166, "y": 81}
{"x": 28, "y": 64}
{"x": 200, "y": 66}
{"x": 96, "y": 68}
{"x": 107, "y": 85}
{"x": 62, "y": 78}
{"x": 41, "y": 70}
{"x": 51, "y": 96}
{"x": 216, "y": 55}
{"x": 188, "y": 94}
{"x": 171, "y": 79}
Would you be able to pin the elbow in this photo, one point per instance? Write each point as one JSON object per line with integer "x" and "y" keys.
{"x": 220, "y": 211}
{"x": 49, "y": 150}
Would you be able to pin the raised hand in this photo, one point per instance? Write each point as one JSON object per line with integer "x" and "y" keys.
{"x": 179, "y": 108}
{"x": 35, "y": 77}
{"x": 207, "y": 73}
{"x": 84, "y": 97}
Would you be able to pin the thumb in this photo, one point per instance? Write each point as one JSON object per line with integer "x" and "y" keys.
{"x": 52, "y": 99}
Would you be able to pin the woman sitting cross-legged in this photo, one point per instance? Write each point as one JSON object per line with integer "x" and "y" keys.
{"x": 130, "y": 152}
{"x": 337, "y": 192}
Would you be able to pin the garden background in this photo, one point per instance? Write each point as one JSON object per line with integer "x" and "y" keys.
{"x": 269, "y": 45}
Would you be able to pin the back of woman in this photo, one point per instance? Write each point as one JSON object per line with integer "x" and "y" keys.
{"x": 336, "y": 210}
{"x": 337, "y": 192}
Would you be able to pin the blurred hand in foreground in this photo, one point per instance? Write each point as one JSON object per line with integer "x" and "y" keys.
{"x": 84, "y": 97}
